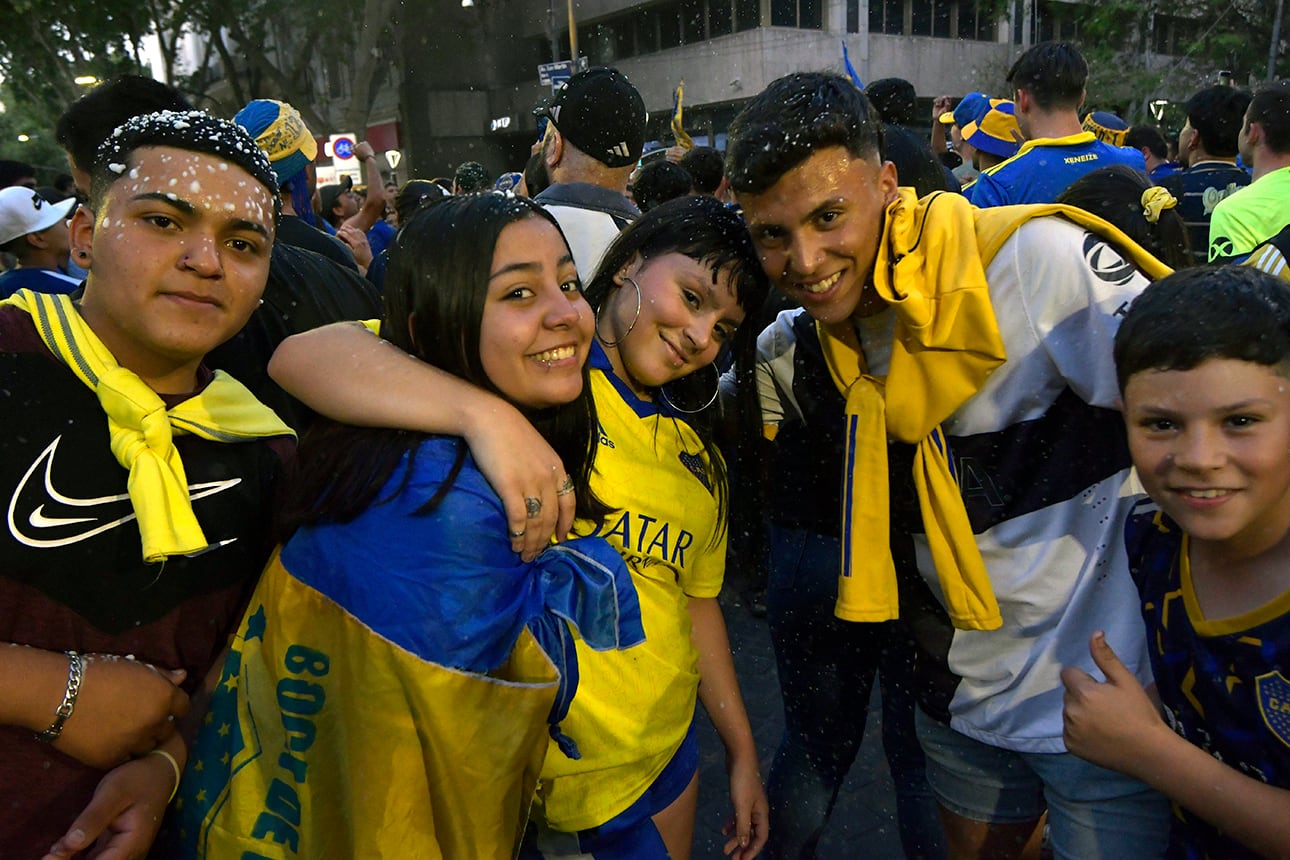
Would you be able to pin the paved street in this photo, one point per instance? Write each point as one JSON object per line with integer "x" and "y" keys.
{"x": 863, "y": 823}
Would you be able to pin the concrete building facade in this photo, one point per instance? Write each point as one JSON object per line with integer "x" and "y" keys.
{"x": 725, "y": 51}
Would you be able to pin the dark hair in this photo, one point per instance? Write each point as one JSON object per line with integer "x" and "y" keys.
{"x": 1114, "y": 194}
{"x": 471, "y": 177}
{"x": 90, "y": 119}
{"x": 704, "y": 164}
{"x": 660, "y": 181}
{"x": 50, "y": 194}
{"x": 12, "y": 171}
{"x": 790, "y": 120}
{"x": 1270, "y": 107}
{"x": 915, "y": 164}
{"x": 705, "y": 230}
{"x": 1201, "y": 313}
{"x": 895, "y": 100}
{"x": 194, "y": 131}
{"x": 535, "y": 176}
{"x": 1146, "y": 137}
{"x": 65, "y": 185}
{"x": 1053, "y": 73}
{"x": 412, "y": 195}
{"x": 435, "y": 292}
{"x": 1216, "y": 114}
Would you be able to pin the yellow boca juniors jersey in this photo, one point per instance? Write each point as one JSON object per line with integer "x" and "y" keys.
{"x": 633, "y": 707}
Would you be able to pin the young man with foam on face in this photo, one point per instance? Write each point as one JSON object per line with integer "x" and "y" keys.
{"x": 957, "y": 363}
{"x": 138, "y": 483}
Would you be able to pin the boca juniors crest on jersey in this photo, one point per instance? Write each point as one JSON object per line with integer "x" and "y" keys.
{"x": 1274, "y": 704}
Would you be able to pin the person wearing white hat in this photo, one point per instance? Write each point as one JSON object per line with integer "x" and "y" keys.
{"x": 35, "y": 231}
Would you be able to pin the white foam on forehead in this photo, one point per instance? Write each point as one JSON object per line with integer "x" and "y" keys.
{"x": 222, "y": 138}
{"x": 223, "y": 193}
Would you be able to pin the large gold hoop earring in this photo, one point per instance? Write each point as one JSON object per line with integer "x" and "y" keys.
{"x": 613, "y": 343}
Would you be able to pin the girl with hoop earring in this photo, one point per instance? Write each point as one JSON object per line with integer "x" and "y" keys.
{"x": 669, "y": 297}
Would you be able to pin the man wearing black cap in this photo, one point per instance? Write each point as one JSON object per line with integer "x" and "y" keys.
{"x": 593, "y": 141}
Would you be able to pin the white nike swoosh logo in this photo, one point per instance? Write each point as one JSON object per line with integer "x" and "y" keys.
{"x": 40, "y": 521}
{"x": 106, "y": 505}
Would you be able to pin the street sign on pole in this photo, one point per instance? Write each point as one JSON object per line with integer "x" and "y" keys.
{"x": 555, "y": 73}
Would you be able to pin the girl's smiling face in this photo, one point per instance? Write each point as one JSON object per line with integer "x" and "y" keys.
{"x": 687, "y": 312}
{"x": 536, "y": 329}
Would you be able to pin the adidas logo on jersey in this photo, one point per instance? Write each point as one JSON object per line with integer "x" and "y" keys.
{"x": 620, "y": 149}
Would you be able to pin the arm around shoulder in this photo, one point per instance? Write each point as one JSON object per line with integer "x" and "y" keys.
{"x": 345, "y": 373}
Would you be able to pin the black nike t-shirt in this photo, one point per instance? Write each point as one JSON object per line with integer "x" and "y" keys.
{"x": 71, "y": 569}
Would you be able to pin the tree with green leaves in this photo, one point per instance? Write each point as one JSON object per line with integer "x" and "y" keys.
{"x": 328, "y": 58}
{"x": 1141, "y": 51}
{"x": 39, "y": 148}
{"x": 45, "y": 46}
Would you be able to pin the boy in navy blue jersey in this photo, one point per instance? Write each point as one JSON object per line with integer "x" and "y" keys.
{"x": 1203, "y": 363}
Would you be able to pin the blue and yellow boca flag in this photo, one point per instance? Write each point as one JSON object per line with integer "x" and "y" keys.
{"x": 325, "y": 739}
{"x": 683, "y": 139}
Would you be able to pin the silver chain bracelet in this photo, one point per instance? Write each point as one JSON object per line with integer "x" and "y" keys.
{"x": 75, "y": 673}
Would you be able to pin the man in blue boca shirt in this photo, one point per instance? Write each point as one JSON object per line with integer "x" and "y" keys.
{"x": 1048, "y": 88}
{"x": 35, "y": 231}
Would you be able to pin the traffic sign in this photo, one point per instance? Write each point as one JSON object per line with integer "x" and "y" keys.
{"x": 340, "y": 147}
{"x": 555, "y": 73}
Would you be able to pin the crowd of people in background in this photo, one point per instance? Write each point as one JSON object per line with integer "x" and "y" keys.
{"x": 370, "y": 518}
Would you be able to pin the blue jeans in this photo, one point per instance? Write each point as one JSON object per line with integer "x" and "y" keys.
{"x": 1092, "y": 812}
{"x": 826, "y": 672}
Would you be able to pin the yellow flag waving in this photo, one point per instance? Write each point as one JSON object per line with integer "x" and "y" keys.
{"x": 683, "y": 140}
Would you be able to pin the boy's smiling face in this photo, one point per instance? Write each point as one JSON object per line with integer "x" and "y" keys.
{"x": 817, "y": 230}
{"x": 1212, "y": 447}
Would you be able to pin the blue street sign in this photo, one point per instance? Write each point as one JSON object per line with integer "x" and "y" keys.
{"x": 555, "y": 73}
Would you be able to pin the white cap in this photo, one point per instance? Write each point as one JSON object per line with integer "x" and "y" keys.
{"x": 23, "y": 211}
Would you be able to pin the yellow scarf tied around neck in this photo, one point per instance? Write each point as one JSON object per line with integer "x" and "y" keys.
{"x": 141, "y": 428}
{"x": 930, "y": 269}
{"x": 946, "y": 345}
